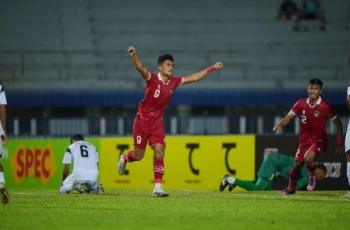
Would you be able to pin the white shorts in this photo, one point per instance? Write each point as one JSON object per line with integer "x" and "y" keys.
{"x": 83, "y": 174}
{"x": 70, "y": 184}
{"x": 82, "y": 177}
{"x": 347, "y": 138}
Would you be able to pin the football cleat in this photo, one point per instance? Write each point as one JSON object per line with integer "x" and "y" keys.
{"x": 5, "y": 198}
{"x": 231, "y": 187}
{"x": 346, "y": 195}
{"x": 159, "y": 192}
{"x": 227, "y": 181}
{"x": 100, "y": 189}
{"x": 121, "y": 164}
{"x": 80, "y": 188}
{"x": 224, "y": 183}
{"x": 311, "y": 184}
{"x": 287, "y": 192}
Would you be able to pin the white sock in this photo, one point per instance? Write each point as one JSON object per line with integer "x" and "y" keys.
{"x": 157, "y": 186}
{"x": 231, "y": 180}
{"x": 2, "y": 178}
{"x": 348, "y": 171}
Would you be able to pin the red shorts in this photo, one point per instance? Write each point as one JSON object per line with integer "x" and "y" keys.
{"x": 316, "y": 147}
{"x": 145, "y": 131}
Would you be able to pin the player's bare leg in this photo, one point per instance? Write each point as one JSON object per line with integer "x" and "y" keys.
{"x": 293, "y": 177}
{"x": 158, "y": 167}
{"x": 310, "y": 157}
{"x": 5, "y": 198}
{"x": 136, "y": 155}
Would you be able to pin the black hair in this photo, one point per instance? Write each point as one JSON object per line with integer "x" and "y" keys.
{"x": 316, "y": 81}
{"x": 165, "y": 57}
{"x": 77, "y": 137}
{"x": 321, "y": 166}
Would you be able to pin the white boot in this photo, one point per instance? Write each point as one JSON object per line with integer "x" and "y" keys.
{"x": 158, "y": 191}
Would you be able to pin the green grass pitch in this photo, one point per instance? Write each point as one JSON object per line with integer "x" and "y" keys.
{"x": 122, "y": 209}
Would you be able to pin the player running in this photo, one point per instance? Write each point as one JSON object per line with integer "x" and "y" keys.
{"x": 148, "y": 124}
{"x": 272, "y": 166}
{"x": 314, "y": 113}
{"x": 3, "y": 124}
{"x": 347, "y": 143}
{"x": 85, "y": 170}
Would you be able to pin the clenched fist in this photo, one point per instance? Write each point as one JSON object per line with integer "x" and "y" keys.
{"x": 131, "y": 50}
{"x": 218, "y": 65}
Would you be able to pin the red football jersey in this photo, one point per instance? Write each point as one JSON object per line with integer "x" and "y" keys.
{"x": 157, "y": 96}
{"x": 313, "y": 120}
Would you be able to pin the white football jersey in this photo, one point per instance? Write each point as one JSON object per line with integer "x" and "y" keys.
{"x": 3, "y": 100}
{"x": 84, "y": 157}
{"x": 347, "y": 136}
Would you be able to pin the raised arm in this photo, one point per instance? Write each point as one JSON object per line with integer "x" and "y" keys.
{"x": 340, "y": 137}
{"x": 201, "y": 74}
{"x": 284, "y": 121}
{"x": 138, "y": 63}
{"x": 3, "y": 120}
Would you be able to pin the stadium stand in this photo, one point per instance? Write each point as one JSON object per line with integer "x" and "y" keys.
{"x": 80, "y": 44}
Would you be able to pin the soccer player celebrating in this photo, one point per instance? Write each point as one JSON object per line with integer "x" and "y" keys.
{"x": 148, "y": 125}
{"x": 314, "y": 114}
{"x": 85, "y": 170}
{"x": 3, "y": 122}
{"x": 272, "y": 166}
{"x": 347, "y": 143}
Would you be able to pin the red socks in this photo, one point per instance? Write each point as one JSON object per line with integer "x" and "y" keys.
{"x": 311, "y": 166}
{"x": 158, "y": 168}
{"x": 293, "y": 176}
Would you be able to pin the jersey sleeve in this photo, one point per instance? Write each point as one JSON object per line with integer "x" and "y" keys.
{"x": 152, "y": 78}
{"x": 67, "y": 158}
{"x": 296, "y": 109}
{"x": 3, "y": 100}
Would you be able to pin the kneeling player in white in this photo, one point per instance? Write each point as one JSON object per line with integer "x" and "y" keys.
{"x": 85, "y": 170}
{"x": 3, "y": 138}
{"x": 347, "y": 143}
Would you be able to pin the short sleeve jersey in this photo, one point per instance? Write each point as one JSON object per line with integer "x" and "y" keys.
{"x": 157, "y": 96}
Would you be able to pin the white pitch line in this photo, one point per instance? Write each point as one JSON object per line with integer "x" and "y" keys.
{"x": 294, "y": 197}
{"x": 234, "y": 195}
{"x": 33, "y": 193}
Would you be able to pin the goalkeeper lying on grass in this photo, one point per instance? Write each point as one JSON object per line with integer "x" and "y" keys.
{"x": 272, "y": 166}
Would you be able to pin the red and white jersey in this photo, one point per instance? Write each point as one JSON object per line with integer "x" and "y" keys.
{"x": 313, "y": 120}
{"x": 157, "y": 96}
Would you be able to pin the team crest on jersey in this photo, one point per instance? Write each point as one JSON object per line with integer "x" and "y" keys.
{"x": 316, "y": 114}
